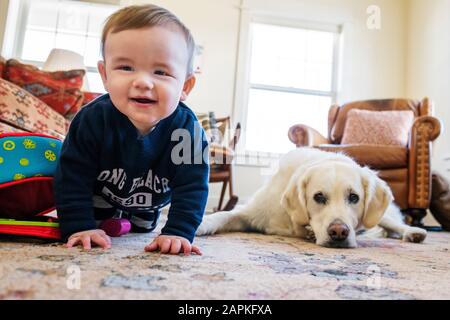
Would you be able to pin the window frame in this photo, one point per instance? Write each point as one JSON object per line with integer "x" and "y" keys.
{"x": 243, "y": 84}
{"x": 17, "y": 21}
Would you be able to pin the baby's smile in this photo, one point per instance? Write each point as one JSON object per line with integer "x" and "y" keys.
{"x": 143, "y": 101}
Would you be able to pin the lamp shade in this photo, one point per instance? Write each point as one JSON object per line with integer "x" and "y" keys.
{"x": 64, "y": 60}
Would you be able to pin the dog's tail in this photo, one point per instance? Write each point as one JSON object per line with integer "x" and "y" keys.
{"x": 222, "y": 221}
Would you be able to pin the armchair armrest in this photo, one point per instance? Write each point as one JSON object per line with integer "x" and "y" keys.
{"x": 304, "y": 136}
{"x": 425, "y": 129}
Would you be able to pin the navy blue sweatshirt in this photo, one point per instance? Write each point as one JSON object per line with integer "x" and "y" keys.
{"x": 105, "y": 155}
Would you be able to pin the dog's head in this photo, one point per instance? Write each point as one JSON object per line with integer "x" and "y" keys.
{"x": 335, "y": 198}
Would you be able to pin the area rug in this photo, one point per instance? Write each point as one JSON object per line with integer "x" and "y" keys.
{"x": 243, "y": 266}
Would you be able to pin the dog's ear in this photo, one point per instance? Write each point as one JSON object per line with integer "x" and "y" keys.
{"x": 377, "y": 198}
{"x": 293, "y": 199}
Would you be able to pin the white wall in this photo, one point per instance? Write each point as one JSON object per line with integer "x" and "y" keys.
{"x": 428, "y": 72}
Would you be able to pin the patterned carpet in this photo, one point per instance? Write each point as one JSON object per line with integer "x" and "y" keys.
{"x": 233, "y": 266}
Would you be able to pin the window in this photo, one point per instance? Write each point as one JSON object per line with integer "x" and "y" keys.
{"x": 291, "y": 79}
{"x": 72, "y": 25}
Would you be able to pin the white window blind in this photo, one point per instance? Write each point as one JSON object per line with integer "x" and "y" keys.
{"x": 292, "y": 80}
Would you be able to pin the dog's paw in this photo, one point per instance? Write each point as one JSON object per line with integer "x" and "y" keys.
{"x": 201, "y": 231}
{"x": 310, "y": 235}
{"x": 204, "y": 229}
{"x": 415, "y": 235}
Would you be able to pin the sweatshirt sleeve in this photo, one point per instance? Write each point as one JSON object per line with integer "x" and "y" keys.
{"x": 75, "y": 176}
{"x": 189, "y": 190}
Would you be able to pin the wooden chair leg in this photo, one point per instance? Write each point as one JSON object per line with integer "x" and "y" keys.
{"x": 222, "y": 194}
{"x": 232, "y": 201}
{"x": 230, "y": 182}
{"x": 416, "y": 216}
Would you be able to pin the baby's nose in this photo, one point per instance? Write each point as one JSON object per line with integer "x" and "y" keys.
{"x": 143, "y": 83}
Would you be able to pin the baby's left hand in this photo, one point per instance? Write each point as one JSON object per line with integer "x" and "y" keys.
{"x": 172, "y": 245}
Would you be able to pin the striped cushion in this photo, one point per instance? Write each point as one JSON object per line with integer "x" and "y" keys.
{"x": 208, "y": 122}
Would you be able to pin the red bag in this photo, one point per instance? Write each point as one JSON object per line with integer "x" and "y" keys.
{"x": 27, "y": 165}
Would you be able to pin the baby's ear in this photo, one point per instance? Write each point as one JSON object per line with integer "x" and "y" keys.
{"x": 187, "y": 87}
{"x": 102, "y": 71}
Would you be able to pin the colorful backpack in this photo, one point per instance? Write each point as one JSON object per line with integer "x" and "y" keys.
{"x": 27, "y": 166}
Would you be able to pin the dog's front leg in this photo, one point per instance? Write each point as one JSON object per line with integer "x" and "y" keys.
{"x": 223, "y": 221}
{"x": 408, "y": 233}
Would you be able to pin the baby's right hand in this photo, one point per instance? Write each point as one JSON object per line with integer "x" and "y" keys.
{"x": 96, "y": 236}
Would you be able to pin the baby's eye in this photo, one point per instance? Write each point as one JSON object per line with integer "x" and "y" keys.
{"x": 161, "y": 73}
{"x": 125, "y": 68}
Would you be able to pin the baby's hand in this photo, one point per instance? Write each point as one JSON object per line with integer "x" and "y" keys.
{"x": 172, "y": 245}
{"x": 96, "y": 236}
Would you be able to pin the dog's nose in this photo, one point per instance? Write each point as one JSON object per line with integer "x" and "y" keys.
{"x": 338, "y": 231}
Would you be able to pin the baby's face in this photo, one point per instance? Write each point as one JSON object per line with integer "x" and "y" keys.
{"x": 145, "y": 73}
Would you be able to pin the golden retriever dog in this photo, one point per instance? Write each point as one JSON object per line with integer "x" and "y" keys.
{"x": 321, "y": 196}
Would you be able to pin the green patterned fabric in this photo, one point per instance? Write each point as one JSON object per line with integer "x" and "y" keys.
{"x": 27, "y": 155}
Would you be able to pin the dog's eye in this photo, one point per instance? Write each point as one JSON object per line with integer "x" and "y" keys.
{"x": 319, "y": 197}
{"x": 353, "y": 198}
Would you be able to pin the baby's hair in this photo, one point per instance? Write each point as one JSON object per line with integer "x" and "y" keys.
{"x": 143, "y": 16}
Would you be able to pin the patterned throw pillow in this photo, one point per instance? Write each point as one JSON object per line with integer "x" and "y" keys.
{"x": 59, "y": 89}
{"x": 89, "y": 96}
{"x": 20, "y": 109}
{"x": 377, "y": 127}
{"x": 6, "y": 128}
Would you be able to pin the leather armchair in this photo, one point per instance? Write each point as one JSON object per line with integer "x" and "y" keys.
{"x": 407, "y": 170}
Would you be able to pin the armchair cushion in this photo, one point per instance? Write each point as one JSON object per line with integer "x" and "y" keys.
{"x": 375, "y": 156}
{"x": 378, "y": 127}
{"x": 59, "y": 89}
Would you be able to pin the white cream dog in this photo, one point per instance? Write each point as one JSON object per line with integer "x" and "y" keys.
{"x": 321, "y": 195}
